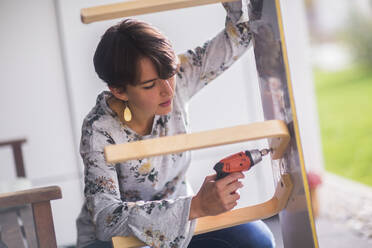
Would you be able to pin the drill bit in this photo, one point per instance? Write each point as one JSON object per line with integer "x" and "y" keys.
{"x": 265, "y": 151}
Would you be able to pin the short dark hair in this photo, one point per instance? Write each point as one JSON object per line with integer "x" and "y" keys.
{"x": 123, "y": 45}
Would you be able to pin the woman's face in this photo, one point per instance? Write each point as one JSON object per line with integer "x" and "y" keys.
{"x": 152, "y": 96}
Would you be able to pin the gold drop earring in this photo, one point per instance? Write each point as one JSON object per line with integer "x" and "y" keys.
{"x": 127, "y": 113}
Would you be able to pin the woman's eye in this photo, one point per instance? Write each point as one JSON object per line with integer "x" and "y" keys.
{"x": 149, "y": 86}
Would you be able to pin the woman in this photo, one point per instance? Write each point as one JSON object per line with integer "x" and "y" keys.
{"x": 149, "y": 89}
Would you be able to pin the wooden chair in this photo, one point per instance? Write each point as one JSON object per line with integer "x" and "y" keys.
{"x": 17, "y": 154}
{"x": 275, "y": 130}
{"x": 26, "y": 218}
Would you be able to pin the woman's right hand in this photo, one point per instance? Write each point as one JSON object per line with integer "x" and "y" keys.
{"x": 216, "y": 197}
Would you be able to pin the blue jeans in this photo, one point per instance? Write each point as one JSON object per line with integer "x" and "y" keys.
{"x": 250, "y": 235}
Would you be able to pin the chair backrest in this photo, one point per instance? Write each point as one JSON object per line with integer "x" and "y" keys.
{"x": 26, "y": 218}
{"x": 17, "y": 154}
{"x": 16, "y": 227}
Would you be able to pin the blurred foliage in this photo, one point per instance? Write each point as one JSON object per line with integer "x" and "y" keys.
{"x": 345, "y": 105}
{"x": 357, "y": 35}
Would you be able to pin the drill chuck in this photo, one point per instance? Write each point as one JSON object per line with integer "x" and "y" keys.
{"x": 255, "y": 156}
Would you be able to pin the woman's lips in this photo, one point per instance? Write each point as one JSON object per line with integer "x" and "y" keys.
{"x": 166, "y": 104}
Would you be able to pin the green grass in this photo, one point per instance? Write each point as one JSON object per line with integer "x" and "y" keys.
{"x": 344, "y": 101}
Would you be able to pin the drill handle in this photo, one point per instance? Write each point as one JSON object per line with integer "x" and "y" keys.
{"x": 220, "y": 173}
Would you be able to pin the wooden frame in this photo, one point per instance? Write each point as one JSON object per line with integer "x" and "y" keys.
{"x": 297, "y": 223}
{"x": 138, "y": 7}
{"x": 275, "y": 130}
{"x": 235, "y": 217}
{"x": 39, "y": 198}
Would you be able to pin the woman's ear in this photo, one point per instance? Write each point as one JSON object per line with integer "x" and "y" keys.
{"x": 119, "y": 93}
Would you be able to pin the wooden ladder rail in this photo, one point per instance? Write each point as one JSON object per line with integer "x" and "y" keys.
{"x": 275, "y": 130}
{"x": 138, "y": 7}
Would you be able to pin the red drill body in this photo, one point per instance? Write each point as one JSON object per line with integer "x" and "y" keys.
{"x": 241, "y": 161}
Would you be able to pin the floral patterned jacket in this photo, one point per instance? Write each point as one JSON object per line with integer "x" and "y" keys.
{"x": 149, "y": 198}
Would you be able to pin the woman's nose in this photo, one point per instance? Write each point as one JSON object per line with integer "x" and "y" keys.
{"x": 166, "y": 88}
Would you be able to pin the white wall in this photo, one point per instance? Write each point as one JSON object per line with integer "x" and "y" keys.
{"x": 299, "y": 57}
{"x": 48, "y": 86}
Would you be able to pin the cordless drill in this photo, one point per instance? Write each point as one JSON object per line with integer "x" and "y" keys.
{"x": 241, "y": 161}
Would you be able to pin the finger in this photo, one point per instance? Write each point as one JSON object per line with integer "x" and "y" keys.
{"x": 231, "y": 206}
{"x": 233, "y": 182}
{"x": 232, "y": 198}
{"x": 210, "y": 178}
{"x": 231, "y": 178}
{"x": 233, "y": 187}
{"x": 238, "y": 175}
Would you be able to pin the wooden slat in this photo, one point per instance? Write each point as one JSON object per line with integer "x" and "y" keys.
{"x": 44, "y": 227}
{"x": 18, "y": 159}
{"x": 243, "y": 215}
{"x": 30, "y": 196}
{"x": 16, "y": 145}
{"x": 11, "y": 142}
{"x": 232, "y": 218}
{"x": 276, "y": 130}
{"x": 138, "y": 7}
{"x": 10, "y": 229}
{"x": 28, "y": 224}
